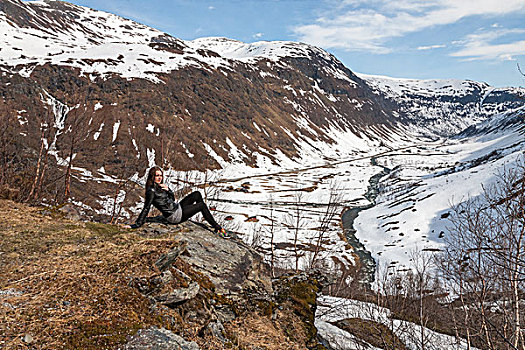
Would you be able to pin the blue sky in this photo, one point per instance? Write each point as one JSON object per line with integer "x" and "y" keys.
{"x": 481, "y": 40}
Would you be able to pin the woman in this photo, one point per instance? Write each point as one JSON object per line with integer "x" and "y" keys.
{"x": 158, "y": 194}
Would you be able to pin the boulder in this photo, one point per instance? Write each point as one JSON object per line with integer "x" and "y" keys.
{"x": 71, "y": 211}
{"x": 166, "y": 260}
{"x": 154, "y": 338}
{"x": 232, "y": 266}
{"x": 179, "y": 295}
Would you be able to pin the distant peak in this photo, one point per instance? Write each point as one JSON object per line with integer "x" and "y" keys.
{"x": 238, "y": 50}
{"x": 220, "y": 39}
{"x": 429, "y": 86}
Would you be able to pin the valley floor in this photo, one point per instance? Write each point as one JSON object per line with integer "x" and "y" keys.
{"x": 410, "y": 212}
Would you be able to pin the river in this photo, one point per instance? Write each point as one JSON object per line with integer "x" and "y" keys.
{"x": 368, "y": 264}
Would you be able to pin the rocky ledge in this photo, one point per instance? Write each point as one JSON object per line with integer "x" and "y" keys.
{"x": 73, "y": 284}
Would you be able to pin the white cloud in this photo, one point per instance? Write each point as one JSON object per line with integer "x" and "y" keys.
{"x": 211, "y": 8}
{"x": 258, "y": 35}
{"x": 431, "y": 47}
{"x": 359, "y": 25}
{"x": 483, "y": 45}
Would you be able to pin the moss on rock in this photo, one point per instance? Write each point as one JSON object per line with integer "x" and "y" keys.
{"x": 299, "y": 293}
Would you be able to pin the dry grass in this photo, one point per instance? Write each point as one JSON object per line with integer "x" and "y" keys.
{"x": 259, "y": 332}
{"x": 69, "y": 282}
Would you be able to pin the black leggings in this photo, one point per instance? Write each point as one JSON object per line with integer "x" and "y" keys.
{"x": 193, "y": 204}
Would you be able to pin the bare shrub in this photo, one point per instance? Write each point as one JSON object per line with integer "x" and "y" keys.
{"x": 295, "y": 221}
{"x": 331, "y": 209}
{"x": 484, "y": 262}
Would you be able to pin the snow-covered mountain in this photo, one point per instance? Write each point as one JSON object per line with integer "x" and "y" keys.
{"x": 445, "y": 107}
{"x": 116, "y": 96}
{"x": 276, "y": 125}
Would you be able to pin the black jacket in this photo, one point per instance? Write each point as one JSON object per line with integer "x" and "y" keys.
{"x": 163, "y": 200}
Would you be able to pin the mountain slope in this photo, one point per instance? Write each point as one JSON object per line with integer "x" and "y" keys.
{"x": 114, "y": 97}
{"x": 413, "y": 209}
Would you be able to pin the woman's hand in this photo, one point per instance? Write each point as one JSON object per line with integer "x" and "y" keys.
{"x": 164, "y": 186}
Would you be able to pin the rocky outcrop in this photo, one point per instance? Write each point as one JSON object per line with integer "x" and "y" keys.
{"x": 233, "y": 267}
{"x": 299, "y": 293}
{"x": 216, "y": 282}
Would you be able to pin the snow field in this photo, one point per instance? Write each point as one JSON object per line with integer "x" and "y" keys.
{"x": 414, "y": 204}
{"x": 332, "y": 309}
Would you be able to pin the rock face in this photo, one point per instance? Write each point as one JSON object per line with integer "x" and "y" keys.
{"x": 231, "y": 265}
{"x": 299, "y": 293}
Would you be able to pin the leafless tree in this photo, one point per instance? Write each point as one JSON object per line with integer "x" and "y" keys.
{"x": 16, "y": 163}
{"x": 332, "y": 208}
{"x": 270, "y": 230}
{"x": 6, "y": 146}
{"x": 122, "y": 188}
{"x": 255, "y": 238}
{"x": 42, "y": 161}
{"x": 295, "y": 221}
{"x": 420, "y": 284}
{"x": 77, "y": 130}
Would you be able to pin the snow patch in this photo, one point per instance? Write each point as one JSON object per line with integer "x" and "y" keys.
{"x": 96, "y": 135}
{"x": 151, "y": 157}
{"x": 190, "y": 155}
{"x": 116, "y": 126}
